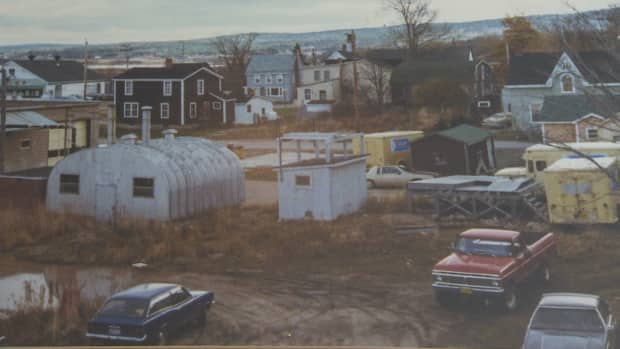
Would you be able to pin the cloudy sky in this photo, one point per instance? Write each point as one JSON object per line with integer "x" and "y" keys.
{"x": 101, "y": 21}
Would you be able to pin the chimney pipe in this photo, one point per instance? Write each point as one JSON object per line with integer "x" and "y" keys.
{"x": 129, "y": 139}
{"x": 146, "y": 124}
{"x": 110, "y": 124}
{"x": 170, "y": 134}
{"x": 168, "y": 63}
{"x": 31, "y": 57}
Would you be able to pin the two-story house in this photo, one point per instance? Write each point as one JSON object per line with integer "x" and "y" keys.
{"x": 179, "y": 94}
{"x": 46, "y": 78}
{"x": 272, "y": 77}
{"x": 531, "y": 77}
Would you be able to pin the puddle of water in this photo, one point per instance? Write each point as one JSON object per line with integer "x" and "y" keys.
{"x": 60, "y": 289}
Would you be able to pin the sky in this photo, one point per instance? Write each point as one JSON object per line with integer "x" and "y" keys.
{"x": 108, "y": 21}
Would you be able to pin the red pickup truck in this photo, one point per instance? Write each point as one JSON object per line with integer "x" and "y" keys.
{"x": 491, "y": 264}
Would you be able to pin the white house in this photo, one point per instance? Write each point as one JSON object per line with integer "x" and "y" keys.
{"x": 322, "y": 188}
{"x": 253, "y": 110}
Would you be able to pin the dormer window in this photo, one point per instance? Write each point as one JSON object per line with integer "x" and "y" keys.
{"x": 568, "y": 83}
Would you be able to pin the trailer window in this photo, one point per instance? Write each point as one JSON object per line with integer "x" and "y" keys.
{"x": 541, "y": 166}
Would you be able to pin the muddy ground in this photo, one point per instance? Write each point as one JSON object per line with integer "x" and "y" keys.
{"x": 357, "y": 281}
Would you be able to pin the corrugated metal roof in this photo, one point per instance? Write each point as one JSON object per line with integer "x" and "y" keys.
{"x": 17, "y": 120}
{"x": 466, "y": 134}
{"x": 390, "y": 134}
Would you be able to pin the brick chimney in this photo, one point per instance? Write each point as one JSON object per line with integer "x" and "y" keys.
{"x": 168, "y": 63}
{"x": 57, "y": 59}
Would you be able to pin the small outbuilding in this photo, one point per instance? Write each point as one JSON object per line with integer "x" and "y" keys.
{"x": 160, "y": 179}
{"x": 253, "y": 110}
{"x": 460, "y": 150}
{"x": 583, "y": 191}
{"x": 323, "y": 188}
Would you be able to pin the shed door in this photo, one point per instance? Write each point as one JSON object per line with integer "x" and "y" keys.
{"x": 105, "y": 202}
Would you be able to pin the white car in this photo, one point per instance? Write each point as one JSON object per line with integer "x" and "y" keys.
{"x": 393, "y": 177}
{"x": 499, "y": 120}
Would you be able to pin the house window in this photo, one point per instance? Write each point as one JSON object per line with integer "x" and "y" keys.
{"x": 257, "y": 78}
{"x": 592, "y": 133}
{"x": 167, "y": 88}
{"x": 280, "y": 79}
{"x": 201, "y": 87}
{"x": 535, "y": 110}
{"x": 192, "y": 110}
{"x": 128, "y": 88}
{"x": 302, "y": 181}
{"x": 69, "y": 184}
{"x": 568, "y": 84}
{"x": 317, "y": 75}
{"x": 217, "y": 105}
{"x": 270, "y": 78}
{"x": 12, "y": 72}
{"x": 25, "y": 144}
{"x": 130, "y": 110}
{"x": 164, "y": 111}
{"x": 484, "y": 104}
{"x": 439, "y": 159}
{"x": 275, "y": 91}
{"x": 248, "y": 108}
{"x": 326, "y": 76}
{"x": 322, "y": 95}
{"x": 262, "y": 92}
{"x": 541, "y": 165}
{"x": 307, "y": 94}
{"x": 143, "y": 187}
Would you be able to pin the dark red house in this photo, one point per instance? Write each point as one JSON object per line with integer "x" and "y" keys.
{"x": 179, "y": 94}
{"x": 464, "y": 150}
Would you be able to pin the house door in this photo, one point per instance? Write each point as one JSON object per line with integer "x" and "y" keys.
{"x": 105, "y": 202}
{"x": 204, "y": 111}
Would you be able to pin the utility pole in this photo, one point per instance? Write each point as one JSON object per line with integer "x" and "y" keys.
{"x": 353, "y": 44}
{"x": 85, "y": 68}
{"x": 4, "y": 81}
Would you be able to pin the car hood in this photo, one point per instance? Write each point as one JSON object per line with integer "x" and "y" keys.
{"x": 461, "y": 263}
{"x": 539, "y": 339}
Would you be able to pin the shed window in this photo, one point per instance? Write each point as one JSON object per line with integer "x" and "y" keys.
{"x": 25, "y": 144}
{"x": 167, "y": 88}
{"x": 302, "y": 181}
{"x": 128, "y": 88}
{"x": 592, "y": 133}
{"x": 201, "y": 87}
{"x": 541, "y": 165}
{"x": 69, "y": 184}
{"x": 143, "y": 187}
{"x": 217, "y": 105}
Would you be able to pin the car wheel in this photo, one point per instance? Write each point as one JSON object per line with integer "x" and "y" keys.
{"x": 370, "y": 184}
{"x": 510, "y": 299}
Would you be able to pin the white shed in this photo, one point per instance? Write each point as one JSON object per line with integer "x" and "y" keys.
{"x": 161, "y": 179}
{"x": 322, "y": 188}
{"x": 253, "y": 110}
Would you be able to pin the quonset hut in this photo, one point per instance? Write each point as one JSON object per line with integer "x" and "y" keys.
{"x": 161, "y": 179}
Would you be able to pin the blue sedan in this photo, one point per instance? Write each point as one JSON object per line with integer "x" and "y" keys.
{"x": 148, "y": 314}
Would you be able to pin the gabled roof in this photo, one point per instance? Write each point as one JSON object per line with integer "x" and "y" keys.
{"x": 58, "y": 71}
{"x": 451, "y": 63}
{"x": 535, "y": 68}
{"x": 466, "y": 134}
{"x": 569, "y": 108}
{"x": 176, "y": 71}
{"x": 271, "y": 63}
{"x": 16, "y": 120}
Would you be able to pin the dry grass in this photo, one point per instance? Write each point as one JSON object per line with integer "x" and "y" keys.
{"x": 261, "y": 174}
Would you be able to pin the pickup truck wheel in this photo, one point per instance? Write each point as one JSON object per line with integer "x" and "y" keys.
{"x": 510, "y": 299}
{"x": 370, "y": 184}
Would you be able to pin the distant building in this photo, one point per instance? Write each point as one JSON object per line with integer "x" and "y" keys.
{"x": 253, "y": 110}
{"x": 533, "y": 76}
{"x": 180, "y": 94}
{"x": 38, "y": 78}
{"x": 160, "y": 179}
{"x": 464, "y": 149}
{"x": 272, "y": 77}
{"x": 325, "y": 187}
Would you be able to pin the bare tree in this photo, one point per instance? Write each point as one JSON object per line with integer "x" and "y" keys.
{"x": 417, "y": 19}
{"x": 234, "y": 51}
{"x": 377, "y": 81}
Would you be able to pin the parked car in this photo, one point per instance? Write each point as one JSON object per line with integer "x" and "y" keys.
{"x": 570, "y": 320}
{"x": 491, "y": 264}
{"x": 148, "y": 314}
{"x": 393, "y": 176}
{"x": 498, "y": 120}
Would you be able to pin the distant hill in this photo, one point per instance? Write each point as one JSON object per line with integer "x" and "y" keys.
{"x": 265, "y": 42}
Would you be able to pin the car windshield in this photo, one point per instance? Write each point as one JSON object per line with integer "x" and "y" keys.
{"x": 131, "y": 308}
{"x": 484, "y": 247}
{"x": 584, "y": 320}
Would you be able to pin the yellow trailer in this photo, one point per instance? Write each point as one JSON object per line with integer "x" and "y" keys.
{"x": 540, "y": 156}
{"x": 581, "y": 192}
{"x": 388, "y": 148}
